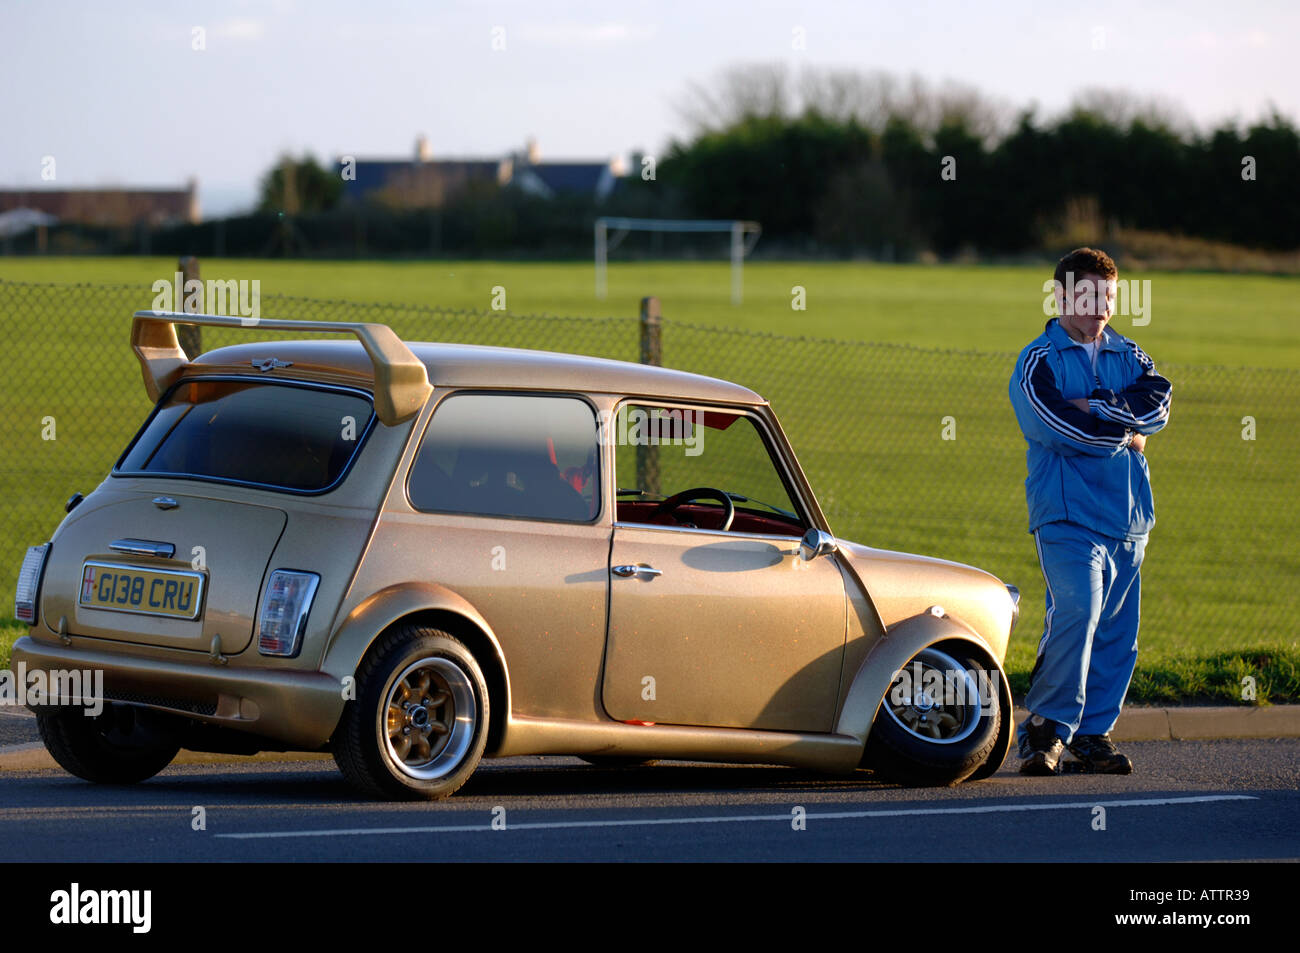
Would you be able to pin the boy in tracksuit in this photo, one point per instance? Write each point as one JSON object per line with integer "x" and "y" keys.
{"x": 1086, "y": 398}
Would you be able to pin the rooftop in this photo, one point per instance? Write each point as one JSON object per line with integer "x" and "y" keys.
{"x": 472, "y": 365}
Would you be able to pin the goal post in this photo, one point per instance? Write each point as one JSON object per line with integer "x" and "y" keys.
{"x": 611, "y": 231}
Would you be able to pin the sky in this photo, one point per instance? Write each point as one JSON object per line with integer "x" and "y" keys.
{"x": 152, "y": 93}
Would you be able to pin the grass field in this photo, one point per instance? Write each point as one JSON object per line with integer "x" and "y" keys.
{"x": 1233, "y": 320}
{"x": 1219, "y": 585}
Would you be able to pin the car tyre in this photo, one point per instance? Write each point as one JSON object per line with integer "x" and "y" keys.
{"x": 419, "y": 723}
{"x": 117, "y": 746}
{"x": 926, "y": 742}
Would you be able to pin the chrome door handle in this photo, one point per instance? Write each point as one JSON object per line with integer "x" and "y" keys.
{"x": 628, "y": 571}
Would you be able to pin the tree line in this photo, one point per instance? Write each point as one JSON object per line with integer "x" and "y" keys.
{"x": 861, "y": 162}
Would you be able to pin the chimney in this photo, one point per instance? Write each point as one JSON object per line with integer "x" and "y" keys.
{"x": 423, "y": 152}
{"x": 534, "y": 154}
{"x": 194, "y": 213}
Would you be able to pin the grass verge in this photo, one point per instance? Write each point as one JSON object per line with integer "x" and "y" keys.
{"x": 9, "y": 633}
{"x": 1216, "y": 679}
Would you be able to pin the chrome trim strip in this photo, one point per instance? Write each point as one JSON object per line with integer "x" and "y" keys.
{"x": 727, "y": 534}
{"x": 143, "y": 547}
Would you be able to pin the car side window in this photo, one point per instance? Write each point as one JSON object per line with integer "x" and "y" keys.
{"x": 509, "y": 455}
{"x": 664, "y": 451}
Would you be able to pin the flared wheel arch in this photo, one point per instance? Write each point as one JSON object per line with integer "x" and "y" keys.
{"x": 481, "y": 644}
{"x": 875, "y": 676}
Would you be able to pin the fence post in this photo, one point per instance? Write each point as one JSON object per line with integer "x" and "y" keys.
{"x": 651, "y": 332}
{"x": 602, "y": 252}
{"x": 647, "y": 455}
{"x": 737, "y": 262}
{"x": 189, "y": 335}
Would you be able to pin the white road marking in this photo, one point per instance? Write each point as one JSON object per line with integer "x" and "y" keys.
{"x": 743, "y": 818}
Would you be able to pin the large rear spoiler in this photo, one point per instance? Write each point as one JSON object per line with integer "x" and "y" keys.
{"x": 401, "y": 382}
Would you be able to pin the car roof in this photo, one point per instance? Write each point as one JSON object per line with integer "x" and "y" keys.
{"x": 476, "y": 365}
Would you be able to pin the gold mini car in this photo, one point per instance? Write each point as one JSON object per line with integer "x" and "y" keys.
{"x": 416, "y": 556}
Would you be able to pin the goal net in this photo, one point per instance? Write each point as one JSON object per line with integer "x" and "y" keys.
{"x": 611, "y": 231}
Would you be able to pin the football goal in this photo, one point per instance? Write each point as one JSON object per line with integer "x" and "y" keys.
{"x": 611, "y": 231}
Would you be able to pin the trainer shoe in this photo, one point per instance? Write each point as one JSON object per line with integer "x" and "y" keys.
{"x": 1041, "y": 748}
{"x": 1099, "y": 755}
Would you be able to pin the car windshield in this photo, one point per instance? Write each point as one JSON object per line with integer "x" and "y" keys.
{"x": 262, "y": 433}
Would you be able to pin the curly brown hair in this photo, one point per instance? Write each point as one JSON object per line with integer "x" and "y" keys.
{"x": 1084, "y": 261}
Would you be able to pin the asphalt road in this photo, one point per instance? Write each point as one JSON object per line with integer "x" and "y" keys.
{"x": 1226, "y": 800}
{"x": 17, "y": 726}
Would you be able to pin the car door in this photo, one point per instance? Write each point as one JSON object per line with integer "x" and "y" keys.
{"x": 712, "y": 625}
{"x": 506, "y": 513}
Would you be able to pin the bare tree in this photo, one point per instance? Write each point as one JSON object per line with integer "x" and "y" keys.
{"x": 870, "y": 98}
{"x": 1121, "y": 109}
{"x": 744, "y": 91}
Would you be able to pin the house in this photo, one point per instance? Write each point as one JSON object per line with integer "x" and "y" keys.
{"x": 554, "y": 178}
{"x": 108, "y": 207}
{"x": 425, "y": 182}
{"x": 418, "y": 182}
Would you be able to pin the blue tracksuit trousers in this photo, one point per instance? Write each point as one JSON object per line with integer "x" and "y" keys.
{"x": 1089, "y": 644}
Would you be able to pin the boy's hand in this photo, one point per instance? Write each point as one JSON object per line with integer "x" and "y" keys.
{"x": 1139, "y": 441}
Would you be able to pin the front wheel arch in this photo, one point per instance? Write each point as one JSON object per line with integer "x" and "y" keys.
{"x": 919, "y": 739}
{"x": 876, "y": 672}
{"x": 1006, "y": 733}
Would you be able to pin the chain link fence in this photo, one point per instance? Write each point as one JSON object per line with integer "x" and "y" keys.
{"x": 907, "y": 448}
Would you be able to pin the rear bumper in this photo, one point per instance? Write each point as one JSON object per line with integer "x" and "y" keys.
{"x": 298, "y": 709}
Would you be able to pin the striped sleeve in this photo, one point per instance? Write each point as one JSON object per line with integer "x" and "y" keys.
{"x": 1143, "y": 405}
{"x": 1053, "y": 420}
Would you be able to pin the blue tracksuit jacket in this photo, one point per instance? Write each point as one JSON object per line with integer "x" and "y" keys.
{"x": 1080, "y": 467}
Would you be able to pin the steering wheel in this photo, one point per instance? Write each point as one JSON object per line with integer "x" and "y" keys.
{"x": 698, "y": 493}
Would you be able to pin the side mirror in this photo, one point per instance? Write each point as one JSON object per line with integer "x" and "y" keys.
{"x": 816, "y": 543}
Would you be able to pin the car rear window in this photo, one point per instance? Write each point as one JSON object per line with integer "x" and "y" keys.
{"x": 260, "y": 433}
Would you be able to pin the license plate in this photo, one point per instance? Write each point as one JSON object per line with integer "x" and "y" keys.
{"x": 174, "y": 594}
